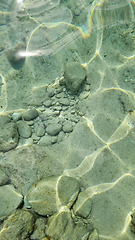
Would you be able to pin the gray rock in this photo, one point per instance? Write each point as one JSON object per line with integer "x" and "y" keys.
{"x": 40, "y": 131}
{"x": 48, "y": 195}
{"x": 42, "y": 196}
{"x": 3, "y": 177}
{"x": 94, "y": 235}
{"x": 16, "y": 116}
{"x": 8, "y": 136}
{"x": 18, "y": 226}
{"x": 82, "y": 206}
{"x": 61, "y": 225}
{"x": 67, "y": 127}
{"x": 4, "y": 119}
{"x": 83, "y": 95}
{"x": 45, "y": 141}
{"x": 10, "y": 199}
{"x": 64, "y": 101}
{"x": 68, "y": 189}
{"x": 30, "y": 114}
{"x": 24, "y": 129}
{"x": 53, "y": 129}
{"x": 75, "y": 75}
{"x": 47, "y": 103}
{"x": 39, "y": 229}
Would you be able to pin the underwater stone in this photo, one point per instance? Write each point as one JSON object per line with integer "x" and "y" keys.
{"x": 42, "y": 196}
{"x": 18, "y": 226}
{"x": 94, "y": 235}
{"x": 45, "y": 140}
{"x": 67, "y": 127}
{"x": 75, "y": 75}
{"x": 30, "y": 114}
{"x": 3, "y": 177}
{"x": 8, "y": 136}
{"x": 82, "y": 206}
{"x": 10, "y": 199}
{"x": 16, "y": 60}
{"x": 53, "y": 129}
{"x": 64, "y": 101}
{"x": 16, "y": 116}
{"x": 4, "y": 119}
{"x": 48, "y": 195}
{"x": 40, "y": 131}
{"x": 68, "y": 189}
{"x": 24, "y": 129}
{"x": 60, "y": 225}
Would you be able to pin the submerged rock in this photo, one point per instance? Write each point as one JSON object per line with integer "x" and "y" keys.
{"x": 10, "y": 199}
{"x": 75, "y": 75}
{"x": 14, "y": 56}
{"x": 18, "y": 226}
{"x": 48, "y": 195}
{"x": 8, "y": 137}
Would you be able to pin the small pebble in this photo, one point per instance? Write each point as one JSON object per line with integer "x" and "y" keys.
{"x": 53, "y": 129}
{"x": 30, "y": 114}
{"x": 64, "y": 101}
{"x": 67, "y": 127}
{"x": 23, "y": 129}
{"x": 40, "y": 131}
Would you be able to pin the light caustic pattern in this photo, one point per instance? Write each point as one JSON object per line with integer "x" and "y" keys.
{"x": 52, "y": 21}
{"x": 105, "y": 142}
{"x": 48, "y": 37}
{"x": 107, "y": 171}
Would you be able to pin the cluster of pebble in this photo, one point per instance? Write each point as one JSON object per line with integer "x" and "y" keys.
{"x": 63, "y": 211}
{"x": 53, "y": 120}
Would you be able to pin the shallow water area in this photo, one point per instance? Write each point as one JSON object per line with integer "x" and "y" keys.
{"x": 67, "y": 119}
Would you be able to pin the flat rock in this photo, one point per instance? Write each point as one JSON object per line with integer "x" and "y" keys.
{"x": 8, "y": 136}
{"x": 10, "y": 199}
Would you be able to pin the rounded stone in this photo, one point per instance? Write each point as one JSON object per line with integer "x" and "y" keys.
{"x": 67, "y": 127}
{"x": 75, "y": 75}
{"x": 40, "y": 131}
{"x": 24, "y": 129}
{"x": 30, "y": 114}
{"x": 53, "y": 129}
{"x": 10, "y": 199}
